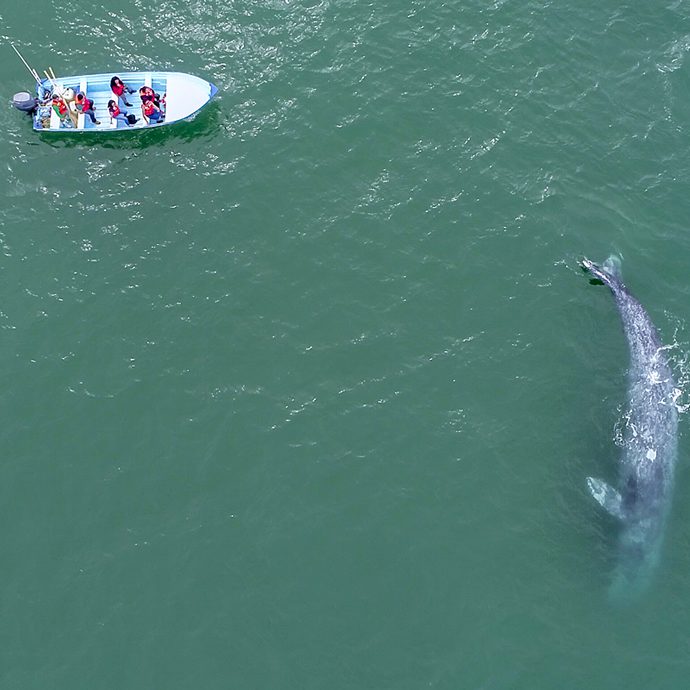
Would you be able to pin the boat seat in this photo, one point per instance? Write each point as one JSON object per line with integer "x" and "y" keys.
{"x": 112, "y": 120}
{"x": 54, "y": 119}
{"x": 80, "y": 117}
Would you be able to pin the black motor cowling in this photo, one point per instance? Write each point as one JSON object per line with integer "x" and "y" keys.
{"x": 24, "y": 101}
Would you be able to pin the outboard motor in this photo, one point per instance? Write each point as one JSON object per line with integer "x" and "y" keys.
{"x": 24, "y": 101}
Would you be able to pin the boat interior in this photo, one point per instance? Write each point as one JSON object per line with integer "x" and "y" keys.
{"x": 97, "y": 88}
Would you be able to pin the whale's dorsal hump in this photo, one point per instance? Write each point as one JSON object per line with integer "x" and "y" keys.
{"x": 609, "y": 499}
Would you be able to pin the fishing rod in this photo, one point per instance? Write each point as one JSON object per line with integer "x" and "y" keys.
{"x": 32, "y": 71}
{"x": 53, "y": 83}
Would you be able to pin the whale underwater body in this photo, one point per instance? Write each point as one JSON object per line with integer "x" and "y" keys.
{"x": 650, "y": 444}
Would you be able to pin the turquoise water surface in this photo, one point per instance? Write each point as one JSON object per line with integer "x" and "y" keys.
{"x": 303, "y": 393}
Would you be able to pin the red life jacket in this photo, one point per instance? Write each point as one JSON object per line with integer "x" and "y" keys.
{"x": 149, "y": 108}
{"x": 115, "y": 111}
{"x": 84, "y": 105}
{"x": 62, "y": 108}
{"x": 118, "y": 90}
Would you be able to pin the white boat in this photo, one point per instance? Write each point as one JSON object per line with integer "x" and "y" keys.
{"x": 181, "y": 96}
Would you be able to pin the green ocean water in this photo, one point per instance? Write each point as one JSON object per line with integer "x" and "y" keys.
{"x": 302, "y": 394}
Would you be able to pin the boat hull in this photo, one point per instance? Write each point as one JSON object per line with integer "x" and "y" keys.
{"x": 184, "y": 96}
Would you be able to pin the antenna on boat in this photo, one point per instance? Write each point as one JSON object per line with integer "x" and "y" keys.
{"x": 32, "y": 71}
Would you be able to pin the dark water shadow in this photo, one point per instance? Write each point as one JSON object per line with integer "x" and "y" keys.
{"x": 205, "y": 125}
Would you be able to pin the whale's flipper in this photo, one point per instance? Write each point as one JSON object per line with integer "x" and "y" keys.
{"x": 607, "y": 496}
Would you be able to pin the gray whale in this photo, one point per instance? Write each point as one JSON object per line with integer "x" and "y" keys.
{"x": 650, "y": 444}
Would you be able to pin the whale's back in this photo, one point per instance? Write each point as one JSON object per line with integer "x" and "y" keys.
{"x": 650, "y": 440}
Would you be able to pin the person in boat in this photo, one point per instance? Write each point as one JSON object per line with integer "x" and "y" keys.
{"x": 69, "y": 97}
{"x": 60, "y": 108}
{"x": 85, "y": 105}
{"x": 45, "y": 97}
{"x": 151, "y": 112}
{"x": 117, "y": 114}
{"x": 148, "y": 92}
{"x": 119, "y": 88}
